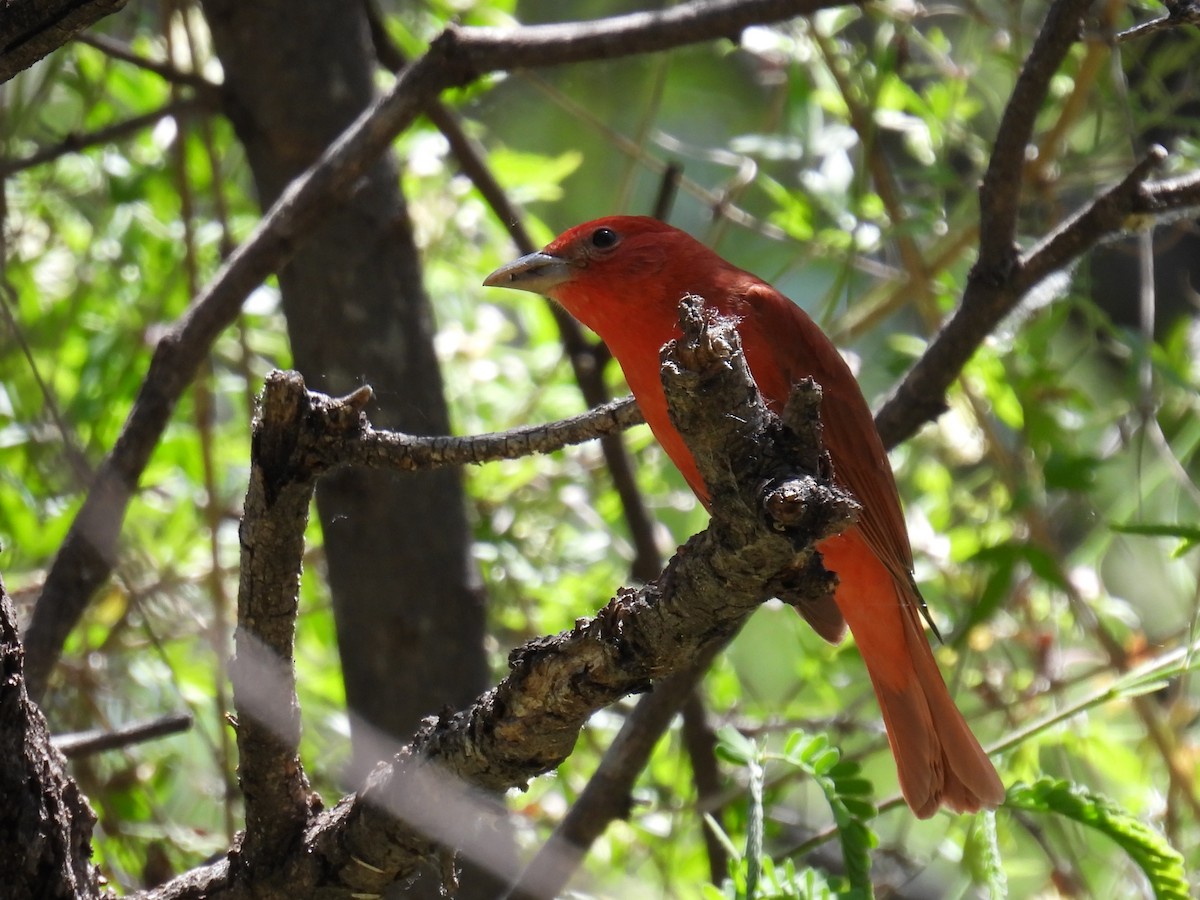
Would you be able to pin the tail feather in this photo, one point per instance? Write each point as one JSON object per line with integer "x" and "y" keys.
{"x": 938, "y": 759}
{"x": 968, "y": 779}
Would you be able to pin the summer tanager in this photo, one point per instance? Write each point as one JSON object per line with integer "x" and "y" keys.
{"x": 623, "y": 277}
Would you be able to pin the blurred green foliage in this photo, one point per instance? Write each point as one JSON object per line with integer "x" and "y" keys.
{"x": 1045, "y": 506}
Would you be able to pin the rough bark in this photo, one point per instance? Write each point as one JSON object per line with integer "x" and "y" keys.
{"x": 432, "y": 798}
{"x": 32, "y": 29}
{"x": 46, "y": 825}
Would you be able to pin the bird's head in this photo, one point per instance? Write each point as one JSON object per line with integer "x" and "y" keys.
{"x": 605, "y": 270}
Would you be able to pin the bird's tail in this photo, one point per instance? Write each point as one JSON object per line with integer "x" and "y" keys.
{"x": 938, "y": 759}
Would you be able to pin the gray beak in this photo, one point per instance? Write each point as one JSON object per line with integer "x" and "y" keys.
{"x": 538, "y": 273}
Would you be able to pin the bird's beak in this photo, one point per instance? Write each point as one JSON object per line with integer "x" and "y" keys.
{"x": 538, "y": 273}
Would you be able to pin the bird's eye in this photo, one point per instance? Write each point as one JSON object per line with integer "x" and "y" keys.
{"x": 604, "y": 238}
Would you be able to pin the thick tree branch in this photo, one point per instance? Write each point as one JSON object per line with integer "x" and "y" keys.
{"x": 46, "y": 828}
{"x": 456, "y": 58}
{"x": 263, "y": 670}
{"x": 529, "y": 723}
{"x": 32, "y": 29}
{"x": 920, "y": 397}
{"x": 1000, "y": 193}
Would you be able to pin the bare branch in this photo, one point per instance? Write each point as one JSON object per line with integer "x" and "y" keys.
{"x": 73, "y": 143}
{"x": 87, "y": 743}
{"x": 1111, "y": 212}
{"x": 32, "y": 29}
{"x": 538, "y": 46}
{"x": 530, "y": 722}
{"x": 921, "y": 396}
{"x": 263, "y": 670}
{"x": 1179, "y": 12}
{"x": 405, "y": 452}
{"x": 1169, "y": 197}
{"x": 209, "y": 91}
{"x": 1000, "y": 193}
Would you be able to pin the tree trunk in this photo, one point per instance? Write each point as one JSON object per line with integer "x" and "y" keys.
{"x": 46, "y": 826}
{"x": 409, "y": 613}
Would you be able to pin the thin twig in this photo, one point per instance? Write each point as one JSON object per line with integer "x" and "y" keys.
{"x": 405, "y": 452}
{"x": 920, "y": 397}
{"x": 74, "y": 143}
{"x": 1000, "y": 193}
{"x": 89, "y": 743}
{"x": 208, "y": 90}
{"x": 1179, "y": 12}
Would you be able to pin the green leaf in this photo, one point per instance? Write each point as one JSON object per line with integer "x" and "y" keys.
{"x": 735, "y": 747}
{"x": 825, "y": 761}
{"x": 844, "y": 787}
{"x": 813, "y": 746}
{"x": 1189, "y": 535}
{"x": 534, "y": 176}
{"x": 1162, "y": 863}
{"x": 1070, "y": 471}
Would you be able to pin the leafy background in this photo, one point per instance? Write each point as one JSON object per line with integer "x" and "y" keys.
{"x": 1052, "y": 508}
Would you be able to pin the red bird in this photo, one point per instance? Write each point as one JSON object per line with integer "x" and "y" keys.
{"x": 623, "y": 277}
